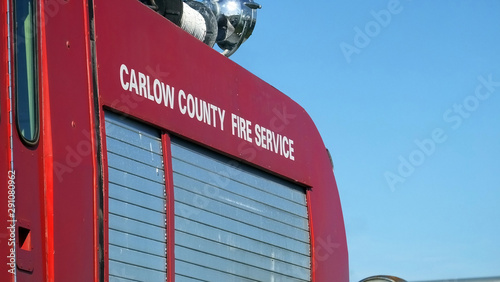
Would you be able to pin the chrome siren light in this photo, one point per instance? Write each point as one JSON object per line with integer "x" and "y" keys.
{"x": 236, "y": 20}
{"x": 228, "y": 23}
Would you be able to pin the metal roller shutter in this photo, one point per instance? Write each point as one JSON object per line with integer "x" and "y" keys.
{"x": 137, "y": 243}
{"x": 234, "y": 222}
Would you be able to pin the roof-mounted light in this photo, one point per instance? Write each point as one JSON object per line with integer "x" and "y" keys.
{"x": 228, "y": 23}
{"x": 236, "y": 21}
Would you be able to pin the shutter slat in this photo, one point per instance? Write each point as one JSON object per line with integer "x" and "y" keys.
{"x": 233, "y": 222}
{"x": 136, "y": 203}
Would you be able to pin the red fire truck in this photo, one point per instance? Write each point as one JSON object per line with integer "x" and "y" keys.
{"x": 132, "y": 151}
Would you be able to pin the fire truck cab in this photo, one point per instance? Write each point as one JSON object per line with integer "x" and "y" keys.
{"x": 135, "y": 152}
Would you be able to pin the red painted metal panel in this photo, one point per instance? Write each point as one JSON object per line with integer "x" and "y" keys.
{"x": 56, "y": 179}
{"x": 28, "y": 169}
{"x": 139, "y": 53}
{"x": 48, "y": 161}
{"x": 170, "y": 212}
{"x": 68, "y": 116}
{"x": 5, "y": 158}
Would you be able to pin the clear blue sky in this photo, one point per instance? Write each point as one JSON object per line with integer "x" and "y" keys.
{"x": 410, "y": 118}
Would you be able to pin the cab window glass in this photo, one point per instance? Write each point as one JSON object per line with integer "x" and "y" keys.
{"x": 26, "y": 69}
